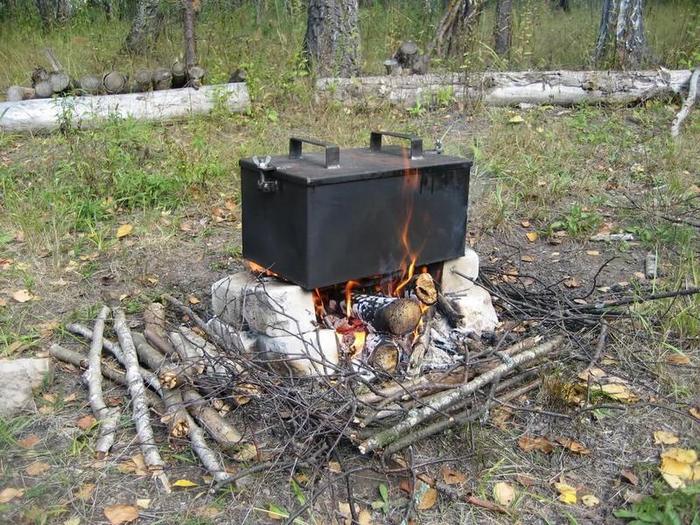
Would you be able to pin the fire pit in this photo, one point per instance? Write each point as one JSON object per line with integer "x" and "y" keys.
{"x": 356, "y": 257}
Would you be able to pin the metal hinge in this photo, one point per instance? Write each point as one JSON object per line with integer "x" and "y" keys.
{"x": 264, "y": 184}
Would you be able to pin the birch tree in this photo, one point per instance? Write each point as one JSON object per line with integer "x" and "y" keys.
{"x": 332, "y": 41}
{"x": 456, "y": 26}
{"x": 621, "y": 33}
{"x": 145, "y": 27}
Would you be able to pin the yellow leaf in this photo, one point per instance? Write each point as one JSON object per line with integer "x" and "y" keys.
{"x": 662, "y": 437}
{"x": 682, "y": 455}
{"x": 85, "y": 491}
{"x": 334, "y": 466}
{"x": 193, "y": 300}
{"x": 143, "y": 503}
{"x": 10, "y": 493}
{"x": 452, "y": 477}
{"x": 22, "y": 296}
{"x": 532, "y": 236}
{"x": 365, "y": 517}
{"x": 184, "y": 483}
{"x": 428, "y": 500}
{"x": 696, "y": 472}
{"x": 75, "y": 520}
{"x": 246, "y": 453}
{"x": 567, "y": 493}
{"x": 619, "y": 392}
{"x": 516, "y": 119}
{"x": 37, "y": 468}
{"x": 589, "y": 500}
{"x": 592, "y": 253}
{"x": 124, "y": 230}
{"x": 695, "y": 412}
{"x": 119, "y": 514}
{"x": 673, "y": 481}
{"x": 503, "y": 493}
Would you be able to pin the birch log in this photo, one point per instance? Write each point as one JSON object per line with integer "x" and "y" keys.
{"x": 91, "y": 111}
{"x": 108, "y": 417}
{"x": 561, "y": 88}
{"x": 218, "y": 428}
{"x": 447, "y": 399}
{"x": 142, "y": 419}
{"x": 688, "y": 104}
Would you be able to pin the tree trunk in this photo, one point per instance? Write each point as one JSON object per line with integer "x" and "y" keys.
{"x": 332, "y": 41}
{"x": 145, "y": 27}
{"x": 622, "y": 31}
{"x": 189, "y": 15}
{"x": 504, "y": 26}
{"x": 54, "y": 11}
{"x": 456, "y": 26}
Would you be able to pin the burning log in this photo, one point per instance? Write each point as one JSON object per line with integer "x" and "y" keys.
{"x": 383, "y": 351}
{"x": 218, "y": 428}
{"x": 142, "y": 419}
{"x": 108, "y": 418}
{"x": 425, "y": 289}
{"x": 76, "y": 359}
{"x": 396, "y": 316}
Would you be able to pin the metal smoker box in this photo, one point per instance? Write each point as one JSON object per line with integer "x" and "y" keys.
{"x": 319, "y": 219}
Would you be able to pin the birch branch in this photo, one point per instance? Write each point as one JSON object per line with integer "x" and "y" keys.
{"x": 142, "y": 419}
{"x": 447, "y": 399}
{"x": 108, "y": 418}
{"x": 218, "y": 428}
{"x": 688, "y": 104}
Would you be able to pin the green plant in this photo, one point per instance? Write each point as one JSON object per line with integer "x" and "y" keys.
{"x": 417, "y": 110}
{"x": 578, "y": 221}
{"x": 383, "y": 502}
{"x": 681, "y": 506}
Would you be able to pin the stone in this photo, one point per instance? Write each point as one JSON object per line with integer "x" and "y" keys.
{"x": 475, "y": 305}
{"x": 232, "y": 337}
{"x": 278, "y": 309}
{"x": 18, "y": 379}
{"x": 227, "y": 297}
{"x": 468, "y": 264}
{"x": 315, "y": 353}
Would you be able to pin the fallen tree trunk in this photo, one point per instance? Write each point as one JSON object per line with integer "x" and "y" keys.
{"x": 562, "y": 88}
{"x": 90, "y": 111}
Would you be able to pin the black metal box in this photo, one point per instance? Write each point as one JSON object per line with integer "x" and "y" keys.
{"x": 325, "y": 218}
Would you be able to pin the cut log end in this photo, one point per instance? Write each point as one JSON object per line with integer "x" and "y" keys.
{"x": 425, "y": 289}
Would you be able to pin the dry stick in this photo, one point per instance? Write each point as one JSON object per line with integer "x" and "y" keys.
{"x": 415, "y": 363}
{"x": 154, "y": 319}
{"x": 142, "y": 419}
{"x": 218, "y": 428}
{"x": 205, "y": 453}
{"x": 148, "y": 355}
{"x": 108, "y": 418}
{"x": 213, "y": 336}
{"x": 117, "y": 352}
{"x": 77, "y": 359}
{"x": 600, "y": 346}
{"x": 688, "y": 104}
{"x": 447, "y": 399}
{"x": 461, "y": 419}
{"x": 162, "y": 344}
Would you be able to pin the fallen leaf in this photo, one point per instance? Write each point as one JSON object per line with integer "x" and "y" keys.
{"x": 530, "y": 443}
{"x": 119, "y": 514}
{"x": 277, "y": 513}
{"x": 452, "y": 477}
{"x": 3, "y": 302}
{"x": 22, "y": 296}
{"x": 124, "y": 230}
{"x": 184, "y": 483}
{"x": 567, "y": 493}
{"x": 678, "y": 462}
{"x": 619, "y": 392}
{"x": 516, "y": 119}
{"x": 525, "y": 481}
{"x": 589, "y": 500}
{"x": 10, "y": 493}
{"x": 406, "y": 486}
{"x": 428, "y": 500}
{"x": 674, "y": 482}
{"x": 629, "y": 476}
{"x": 134, "y": 465}
{"x": 573, "y": 446}
{"x": 246, "y": 453}
{"x": 37, "y": 468}
{"x": 75, "y": 520}
{"x": 525, "y": 224}
{"x": 334, "y": 467}
{"x": 85, "y": 491}
{"x": 592, "y": 253}
{"x": 364, "y": 517}
{"x": 70, "y": 397}
{"x": 86, "y": 422}
{"x": 678, "y": 359}
{"x": 49, "y": 397}
{"x": 532, "y": 236}
{"x": 193, "y": 300}
{"x": 503, "y": 493}
{"x": 695, "y": 412}
{"x": 207, "y": 512}
{"x": 29, "y": 442}
{"x": 527, "y": 258}
{"x": 662, "y": 437}
{"x": 572, "y": 282}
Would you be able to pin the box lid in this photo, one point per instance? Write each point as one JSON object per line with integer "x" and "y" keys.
{"x": 334, "y": 165}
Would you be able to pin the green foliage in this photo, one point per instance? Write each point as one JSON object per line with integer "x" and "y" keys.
{"x": 576, "y": 222}
{"x": 679, "y": 507}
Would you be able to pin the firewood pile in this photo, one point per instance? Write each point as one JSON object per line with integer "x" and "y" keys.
{"x": 237, "y": 404}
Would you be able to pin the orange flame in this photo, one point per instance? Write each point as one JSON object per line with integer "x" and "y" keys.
{"x": 408, "y": 264}
{"x": 256, "y": 268}
{"x": 348, "y": 297}
{"x": 318, "y": 304}
{"x": 358, "y": 343}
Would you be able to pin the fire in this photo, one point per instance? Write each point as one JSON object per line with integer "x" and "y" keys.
{"x": 359, "y": 343}
{"x": 318, "y": 304}
{"x": 408, "y": 264}
{"x": 348, "y": 297}
{"x": 256, "y": 268}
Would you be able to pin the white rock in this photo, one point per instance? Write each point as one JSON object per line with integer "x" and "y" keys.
{"x": 278, "y": 309}
{"x": 18, "y": 378}
{"x": 316, "y": 353}
{"x": 227, "y": 297}
{"x": 475, "y": 305}
{"x": 468, "y": 264}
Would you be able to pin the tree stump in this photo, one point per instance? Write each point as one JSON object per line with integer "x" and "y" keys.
{"x": 90, "y": 85}
{"x": 114, "y": 83}
{"x": 143, "y": 80}
{"x": 17, "y": 93}
{"x": 162, "y": 79}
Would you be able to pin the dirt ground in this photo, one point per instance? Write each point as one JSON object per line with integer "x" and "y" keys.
{"x": 619, "y": 467}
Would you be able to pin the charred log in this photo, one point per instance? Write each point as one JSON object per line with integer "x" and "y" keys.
{"x": 387, "y": 314}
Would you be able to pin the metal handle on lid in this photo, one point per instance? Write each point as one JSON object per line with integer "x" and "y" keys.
{"x": 375, "y": 142}
{"x": 332, "y": 151}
